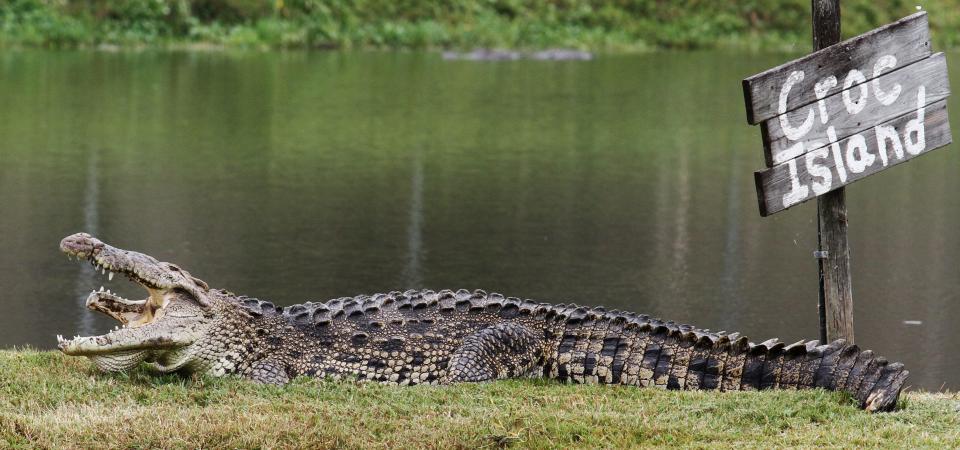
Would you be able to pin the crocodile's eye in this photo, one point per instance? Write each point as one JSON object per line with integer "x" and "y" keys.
{"x": 200, "y": 282}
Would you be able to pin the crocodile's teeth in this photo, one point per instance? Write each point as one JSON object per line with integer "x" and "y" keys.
{"x": 110, "y": 277}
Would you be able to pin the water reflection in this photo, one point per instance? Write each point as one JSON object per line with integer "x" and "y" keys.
{"x": 91, "y": 222}
{"x": 411, "y": 273}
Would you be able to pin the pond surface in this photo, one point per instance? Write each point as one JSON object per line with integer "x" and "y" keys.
{"x": 625, "y": 181}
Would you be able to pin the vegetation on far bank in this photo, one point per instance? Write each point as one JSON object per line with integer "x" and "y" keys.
{"x": 51, "y": 401}
{"x": 600, "y": 25}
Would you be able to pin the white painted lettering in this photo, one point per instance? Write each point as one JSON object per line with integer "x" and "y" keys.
{"x": 916, "y": 127}
{"x": 858, "y": 155}
{"x": 886, "y": 133}
{"x": 821, "y": 88}
{"x": 813, "y": 172}
{"x": 837, "y": 154}
{"x": 885, "y": 98}
{"x": 821, "y": 186}
{"x": 855, "y": 76}
{"x": 794, "y": 151}
{"x": 798, "y": 191}
{"x": 793, "y": 134}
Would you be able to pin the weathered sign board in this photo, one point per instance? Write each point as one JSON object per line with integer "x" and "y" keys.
{"x": 848, "y": 111}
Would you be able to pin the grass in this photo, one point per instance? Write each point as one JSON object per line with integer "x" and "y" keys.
{"x": 599, "y": 25}
{"x": 51, "y": 401}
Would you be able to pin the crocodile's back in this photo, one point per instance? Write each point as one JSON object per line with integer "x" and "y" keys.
{"x": 403, "y": 337}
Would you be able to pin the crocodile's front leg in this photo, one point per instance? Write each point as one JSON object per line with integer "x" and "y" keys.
{"x": 500, "y": 351}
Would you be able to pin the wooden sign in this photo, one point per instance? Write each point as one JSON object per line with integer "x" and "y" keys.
{"x": 848, "y": 111}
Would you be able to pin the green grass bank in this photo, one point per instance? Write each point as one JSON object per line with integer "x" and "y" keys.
{"x": 599, "y": 25}
{"x": 51, "y": 401}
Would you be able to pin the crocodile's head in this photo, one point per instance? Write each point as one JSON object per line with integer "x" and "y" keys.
{"x": 172, "y": 317}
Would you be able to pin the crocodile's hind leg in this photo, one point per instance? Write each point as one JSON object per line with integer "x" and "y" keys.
{"x": 269, "y": 371}
{"x": 500, "y": 351}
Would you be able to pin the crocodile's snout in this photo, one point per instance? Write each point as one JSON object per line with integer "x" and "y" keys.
{"x": 81, "y": 244}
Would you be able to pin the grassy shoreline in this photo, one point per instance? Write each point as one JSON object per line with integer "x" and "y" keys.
{"x": 48, "y": 400}
{"x": 597, "y": 25}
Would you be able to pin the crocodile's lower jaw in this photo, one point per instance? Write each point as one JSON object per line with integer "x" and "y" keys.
{"x": 119, "y": 361}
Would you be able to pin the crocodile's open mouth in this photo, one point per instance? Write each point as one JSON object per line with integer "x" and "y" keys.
{"x": 109, "y": 260}
{"x": 143, "y": 329}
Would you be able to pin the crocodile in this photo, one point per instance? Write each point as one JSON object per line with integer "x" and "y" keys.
{"x": 443, "y": 337}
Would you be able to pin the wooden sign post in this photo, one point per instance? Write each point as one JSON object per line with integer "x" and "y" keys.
{"x": 836, "y": 285}
{"x": 846, "y": 111}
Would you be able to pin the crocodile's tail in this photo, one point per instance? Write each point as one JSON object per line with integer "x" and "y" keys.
{"x": 695, "y": 360}
{"x": 875, "y": 383}
{"x": 597, "y": 346}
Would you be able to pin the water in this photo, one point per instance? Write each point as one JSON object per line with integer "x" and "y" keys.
{"x": 625, "y": 181}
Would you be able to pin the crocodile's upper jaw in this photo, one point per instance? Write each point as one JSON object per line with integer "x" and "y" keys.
{"x": 140, "y": 268}
{"x": 171, "y": 317}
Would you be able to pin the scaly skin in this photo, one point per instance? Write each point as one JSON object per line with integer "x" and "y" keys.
{"x": 426, "y": 337}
